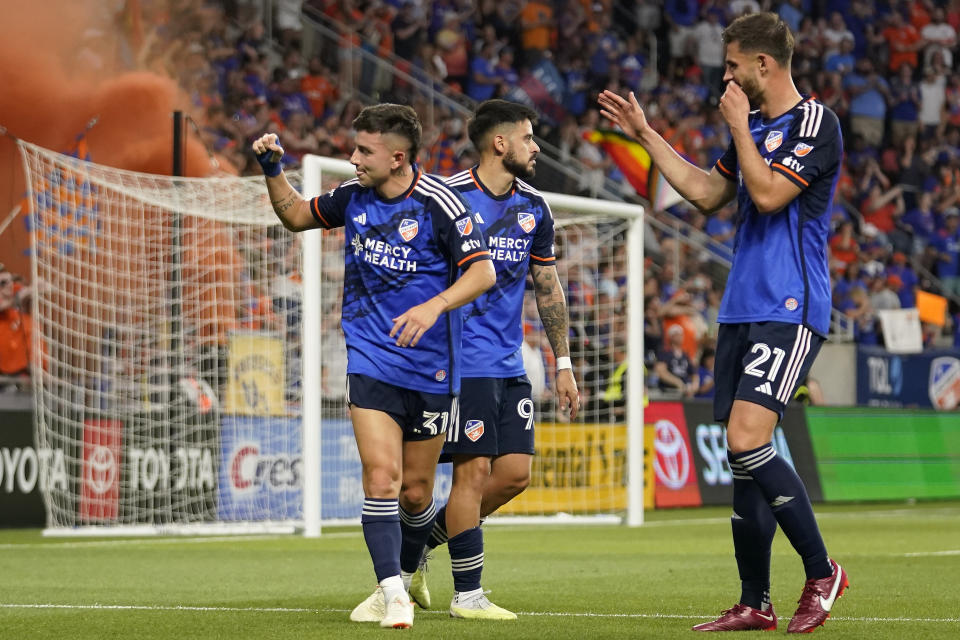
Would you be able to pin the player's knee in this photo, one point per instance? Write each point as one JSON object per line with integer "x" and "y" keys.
{"x": 519, "y": 482}
{"x": 472, "y": 472}
{"x": 381, "y": 482}
{"x": 514, "y": 483}
{"x": 415, "y": 496}
{"x": 743, "y": 439}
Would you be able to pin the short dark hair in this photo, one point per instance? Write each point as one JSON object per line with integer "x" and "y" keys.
{"x": 392, "y": 118}
{"x": 493, "y": 113}
{"x": 762, "y": 33}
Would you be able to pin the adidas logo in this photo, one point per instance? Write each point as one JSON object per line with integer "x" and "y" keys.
{"x": 476, "y": 216}
{"x": 361, "y": 219}
{"x": 764, "y": 388}
{"x": 780, "y": 500}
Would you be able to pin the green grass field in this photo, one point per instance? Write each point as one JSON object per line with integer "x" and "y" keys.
{"x": 565, "y": 582}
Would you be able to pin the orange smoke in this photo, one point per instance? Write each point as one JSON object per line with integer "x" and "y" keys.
{"x": 55, "y": 60}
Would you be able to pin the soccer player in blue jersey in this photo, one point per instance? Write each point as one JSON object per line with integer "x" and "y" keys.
{"x": 782, "y": 166}
{"x": 492, "y": 443}
{"x": 407, "y": 235}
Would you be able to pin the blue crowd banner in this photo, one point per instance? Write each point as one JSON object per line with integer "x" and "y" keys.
{"x": 929, "y": 380}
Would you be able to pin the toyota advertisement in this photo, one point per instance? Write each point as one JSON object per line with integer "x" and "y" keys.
{"x": 26, "y": 470}
{"x": 673, "y": 465}
{"x": 100, "y": 486}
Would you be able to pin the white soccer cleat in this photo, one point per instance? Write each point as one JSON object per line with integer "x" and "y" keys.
{"x": 370, "y": 610}
{"x": 418, "y": 585}
{"x": 478, "y": 607}
{"x": 399, "y": 614}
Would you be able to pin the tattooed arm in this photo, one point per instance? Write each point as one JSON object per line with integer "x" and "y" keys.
{"x": 553, "y": 314}
{"x": 292, "y": 208}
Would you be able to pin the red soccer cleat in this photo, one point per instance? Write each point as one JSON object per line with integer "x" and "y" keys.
{"x": 740, "y": 617}
{"x": 817, "y": 599}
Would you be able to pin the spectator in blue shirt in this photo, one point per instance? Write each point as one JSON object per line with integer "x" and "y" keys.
{"x": 869, "y": 93}
{"x": 902, "y": 269}
{"x": 705, "y": 373}
{"x": 504, "y": 69}
{"x": 920, "y": 222}
{"x": 721, "y": 229}
{"x": 843, "y": 60}
{"x": 904, "y": 106}
{"x": 577, "y": 84}
{"x": 484, "y": 77}
{"x": 948, "y": 245}
{"x": 792, "y": 13}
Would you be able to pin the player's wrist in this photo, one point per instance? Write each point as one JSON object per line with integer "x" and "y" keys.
{"x": 269, "y": 161}
{"x": 563, "y": 362}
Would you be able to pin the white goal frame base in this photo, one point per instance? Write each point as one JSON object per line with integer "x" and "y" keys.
{"x": 152, "y": 530}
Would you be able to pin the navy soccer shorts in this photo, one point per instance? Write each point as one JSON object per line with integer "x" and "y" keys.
{"x": 421, "y": 415}
{"x": 495, "y": 418}
{"x": 761, "y": 362}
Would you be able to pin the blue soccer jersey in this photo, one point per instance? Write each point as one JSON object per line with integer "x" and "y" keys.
{"x": 399, "y": 253}
{"x": 518, "y": 228}
{"x": 780, "y": 268}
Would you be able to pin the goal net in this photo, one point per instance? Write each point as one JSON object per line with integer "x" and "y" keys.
{"x": 171, "y": 357}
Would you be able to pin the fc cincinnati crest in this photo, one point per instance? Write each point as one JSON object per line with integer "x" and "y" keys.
{"x": 774, "y": 140}
{"x": 944, "y": 385}
{"x": 473, "y": 429}
{"x": 527, "y": 221}
{"x": 802, "y": 149}
{"x": 465, "y": 226}
{"x": 408, "y": 229}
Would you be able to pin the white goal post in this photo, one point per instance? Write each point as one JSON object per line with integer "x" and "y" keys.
{"x": 189, "y": 368}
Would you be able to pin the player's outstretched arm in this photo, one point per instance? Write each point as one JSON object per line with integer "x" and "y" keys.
{"x": 552, "y": 306}
{"x": 707, "y": 191}
{"x": 410, "y": 326}
{"x": 292, "y": 209}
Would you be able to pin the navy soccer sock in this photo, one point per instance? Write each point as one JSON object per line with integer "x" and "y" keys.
{"x": 753, "y": 526}
{"x": 466, "y": 559}
{"x": 784, "y": 492}
{"x": 380, "y": 520}
{"x": 416, "y": 528}
{"x": 438, "y": 535}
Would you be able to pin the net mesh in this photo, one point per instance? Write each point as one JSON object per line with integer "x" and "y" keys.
{"x": 167, "y": 339}
{"x": 149, "y": 290}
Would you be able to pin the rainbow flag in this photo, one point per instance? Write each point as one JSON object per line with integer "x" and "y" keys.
{"x": 633, "y": 159}
{"x": 637, "y": 167}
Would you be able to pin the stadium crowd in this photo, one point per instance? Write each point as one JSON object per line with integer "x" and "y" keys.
{"x": 886, "y": 68}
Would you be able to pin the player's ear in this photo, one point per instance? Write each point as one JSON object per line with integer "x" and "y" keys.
{"x": 763, "y": 62}
{"x": 399, "y": 156}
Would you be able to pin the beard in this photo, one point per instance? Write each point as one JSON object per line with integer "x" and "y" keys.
{"x": 753, "y": 91}
{"x": 518, "y": 169}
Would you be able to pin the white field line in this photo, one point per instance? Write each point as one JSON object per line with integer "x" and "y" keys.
{"x": 564, "y": 614}
{"x": 119, "y": 542}
{"x": 922, "y": 554}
